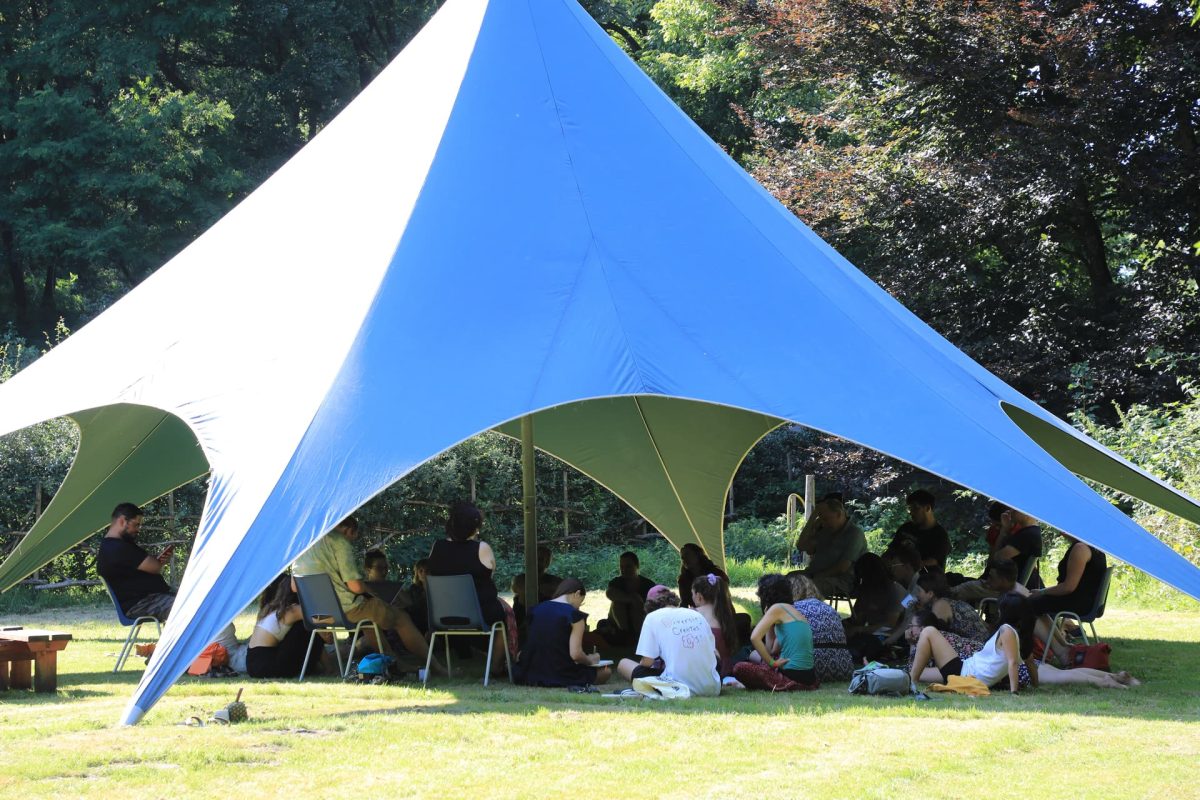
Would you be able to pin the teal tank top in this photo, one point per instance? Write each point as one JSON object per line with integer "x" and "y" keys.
{"x": 795, "y": 644}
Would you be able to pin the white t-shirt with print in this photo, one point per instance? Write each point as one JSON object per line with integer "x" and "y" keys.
{"x": 685, "y": 643}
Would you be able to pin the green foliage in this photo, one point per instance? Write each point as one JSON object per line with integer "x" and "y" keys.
{"x": 31, "y": 459}
{"x": 1164, "y": 441}
{"x": 127, "y": 130}
{"x": 750, "y": 539}
{"x": 1024, "y": 177}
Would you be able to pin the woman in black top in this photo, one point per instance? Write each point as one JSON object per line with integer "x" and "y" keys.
{"x": 553, "y": 654}
{"x": 1080, "y": 573}
{"x": 694, "y": 562}
{"x": 462, "y": 553}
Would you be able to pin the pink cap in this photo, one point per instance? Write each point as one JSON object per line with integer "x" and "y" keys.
{"x": 656, "y": 590}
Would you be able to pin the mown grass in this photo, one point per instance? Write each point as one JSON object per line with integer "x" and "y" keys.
{"x": 459, "y": 739}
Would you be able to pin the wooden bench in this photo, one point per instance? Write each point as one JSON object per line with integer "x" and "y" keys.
{"x": 19, "y": 647}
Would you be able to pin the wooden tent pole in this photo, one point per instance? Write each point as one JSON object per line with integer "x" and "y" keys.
{"x": 529, "y": 502}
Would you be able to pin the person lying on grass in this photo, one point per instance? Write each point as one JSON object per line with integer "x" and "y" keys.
{"x": 1001, "y": 655}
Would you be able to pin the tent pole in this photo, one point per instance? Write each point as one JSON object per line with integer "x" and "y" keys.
{"x": 810, "y": 496}
{"x": 529, "y": 501}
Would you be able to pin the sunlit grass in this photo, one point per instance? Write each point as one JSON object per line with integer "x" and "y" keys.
{"x": 461, "y": 740}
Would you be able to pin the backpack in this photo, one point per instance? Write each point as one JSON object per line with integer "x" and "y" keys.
{"x": 374, "y": 664}
{"x": 877, "y": 679}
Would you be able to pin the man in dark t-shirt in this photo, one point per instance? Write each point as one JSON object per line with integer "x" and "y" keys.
{"x": 627, "y": 593}
{"x": 547, "y": 585}
{"x": 923, "y": 529}
{"x": 134, "y": 575}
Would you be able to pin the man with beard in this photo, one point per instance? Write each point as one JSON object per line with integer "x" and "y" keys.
{"x": 134, "y": 575}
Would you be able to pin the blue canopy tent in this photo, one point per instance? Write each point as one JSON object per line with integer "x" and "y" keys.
{"x": 513, "y": 220}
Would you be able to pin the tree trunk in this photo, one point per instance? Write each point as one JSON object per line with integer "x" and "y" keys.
{"x": 1185, "y": 133}
{"x": 1091, "y": 244}
{"x": 16, "y": 276}
{"x": 49, "y": 310}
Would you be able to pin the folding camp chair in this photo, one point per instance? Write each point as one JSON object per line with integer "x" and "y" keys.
{"x": 1027, "y": 573}
{"x": 134, "y": 625}
{"x": 454, "y": 611}
{"x": 839, "y": 597}
{"x": 323, "y": 614}
{"x": 1091, "y": 616}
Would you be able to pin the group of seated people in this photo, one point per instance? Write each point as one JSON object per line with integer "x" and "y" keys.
{"x": 691, "y": 639}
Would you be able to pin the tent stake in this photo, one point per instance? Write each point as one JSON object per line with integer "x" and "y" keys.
{"x": 529, "y": 501}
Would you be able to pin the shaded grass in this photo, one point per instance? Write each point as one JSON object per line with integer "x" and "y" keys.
{"x": 460, "y": 739}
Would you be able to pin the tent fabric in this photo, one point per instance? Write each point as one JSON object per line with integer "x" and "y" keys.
{"x": 643, "y": 449}
{"x": 512, "y": 219}
{"x": 126, "y": 453}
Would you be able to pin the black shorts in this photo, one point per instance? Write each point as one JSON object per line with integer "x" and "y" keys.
{"x": 951, "y": 667}
{"x": 808, "y": 677}
{"x": 641, "y": 671}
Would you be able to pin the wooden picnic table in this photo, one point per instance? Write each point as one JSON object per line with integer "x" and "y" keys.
{"x": 21, "y": 647}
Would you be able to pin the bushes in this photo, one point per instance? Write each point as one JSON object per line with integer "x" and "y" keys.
{"x": 1164, "y": 441}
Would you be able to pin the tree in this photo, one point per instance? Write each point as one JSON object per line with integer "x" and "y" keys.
{"x": 1023, "y": 176}
{"x": 126, "y": 130}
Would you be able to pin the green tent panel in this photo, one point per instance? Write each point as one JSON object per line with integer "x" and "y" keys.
{"x": 671, "y": 460}
{"x": 127, "y": 453}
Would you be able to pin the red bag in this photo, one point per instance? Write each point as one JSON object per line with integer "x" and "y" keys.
{"x": 1039, "y": 650}
{"x": 1093, "y": 656}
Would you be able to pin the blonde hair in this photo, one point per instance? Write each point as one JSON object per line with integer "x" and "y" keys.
{"x": 803, "y": 587}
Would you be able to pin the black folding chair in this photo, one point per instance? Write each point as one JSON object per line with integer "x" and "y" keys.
{"x": 454, "y": 611}
{"x": 323, "y": 614}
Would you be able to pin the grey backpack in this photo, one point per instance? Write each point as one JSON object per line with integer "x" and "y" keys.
{"x": 875, "y": 678}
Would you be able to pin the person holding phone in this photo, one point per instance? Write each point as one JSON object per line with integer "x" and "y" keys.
{"x": 134, "y": 575}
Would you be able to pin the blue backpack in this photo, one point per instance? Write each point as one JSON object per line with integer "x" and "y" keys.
{"x": 374, "y": 664}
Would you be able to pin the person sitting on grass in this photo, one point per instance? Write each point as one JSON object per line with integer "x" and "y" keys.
{"x": 831, "y": 657}
{"x": 676, "y": 644}
{"x": 999, "y": 578}
{"x": 547, "y": 584}
{"x": 710, "y": 597}
{"x": 694, "y": 562}
{"x": 553, "y": 652}
{"x": 903, "y": 560}
{"x": 278, "y": 646}
{"x": 782, "y": 639}
{"x": 627, "y": 595}
{"x": 957, "y": 616}
{"x": 879, "y": 604}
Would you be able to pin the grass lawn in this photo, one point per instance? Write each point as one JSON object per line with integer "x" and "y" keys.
{"x": 460, "y": 740}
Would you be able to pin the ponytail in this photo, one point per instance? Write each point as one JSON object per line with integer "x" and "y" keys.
{"x": 715, "y": 591}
